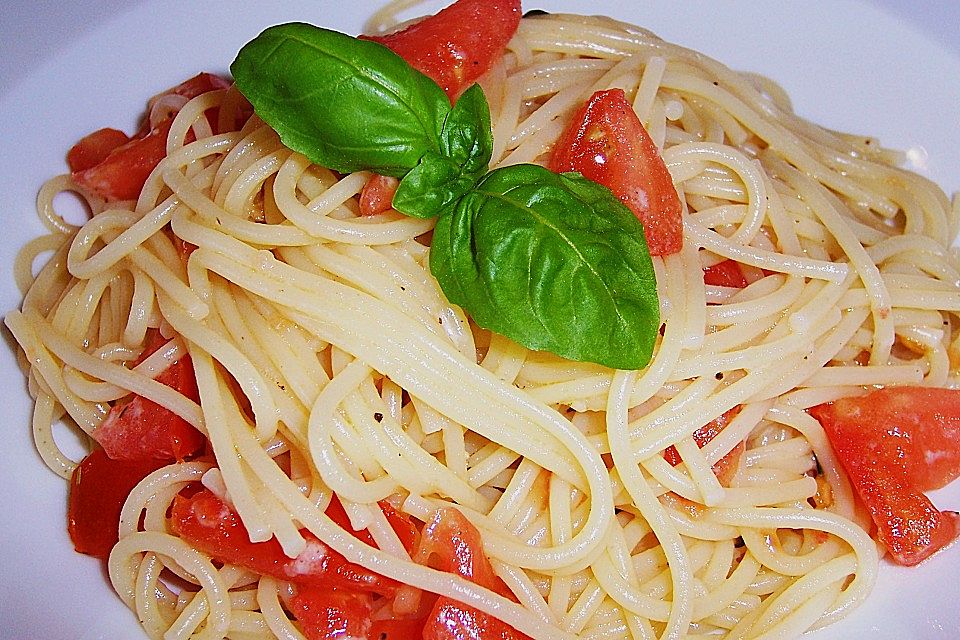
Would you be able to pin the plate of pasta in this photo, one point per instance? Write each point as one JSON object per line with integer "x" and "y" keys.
{"x": 509, "y": 322}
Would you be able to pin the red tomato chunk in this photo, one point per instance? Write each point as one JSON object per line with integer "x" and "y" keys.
{"x": 894, "y": 444}
{"x": 459, "y": 44}
{"x": 140, "y": 429}
{"x": 606, "y": 142}
{"x": 115, "y": 168}
{"x": 98, "y": 488}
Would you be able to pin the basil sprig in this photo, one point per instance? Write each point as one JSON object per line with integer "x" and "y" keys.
{"x": 553, "y": 261}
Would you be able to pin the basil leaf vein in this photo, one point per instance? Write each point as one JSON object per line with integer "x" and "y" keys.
{"x": 554, "y": 262}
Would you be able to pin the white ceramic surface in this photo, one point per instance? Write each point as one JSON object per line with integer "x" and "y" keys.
{"x": 884, "y": 67}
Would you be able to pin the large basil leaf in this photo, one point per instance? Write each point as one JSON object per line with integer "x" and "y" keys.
{"x": 466, "y": 144}
{"x": 347, "y": 104}
{"x": 554, "y": 262}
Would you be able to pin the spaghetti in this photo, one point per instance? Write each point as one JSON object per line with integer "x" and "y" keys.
{"x": 329, "y": 363}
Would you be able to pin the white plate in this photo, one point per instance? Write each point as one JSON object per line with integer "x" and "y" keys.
{"x": 869, "y": 67}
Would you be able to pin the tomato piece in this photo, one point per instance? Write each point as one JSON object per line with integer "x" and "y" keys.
{"x": 402, "y": 524}
{"x": 121, "y": 172}
{"x": 332, "y": 614}
{"x": 121, "y": 175}
{"x": 377, "y": 195}
{"x": 726, "y": 466}
{"x": 397, "y": 629}
{"x": 140, "y": 429}
{"x": 725, "y": 274}
{"x": 895, "y": 443}
{"x": 212, "y": 526}
{"x": 98, "y": 488}
{"x": 93, "y": 148}
{"x": 198, "y": 85}
{"x": 606, "y": 142}
{"x": 451, "y": 543}
{"x": 459, "y": 44}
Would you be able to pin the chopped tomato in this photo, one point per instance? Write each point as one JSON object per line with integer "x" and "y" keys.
{"x": 401, "y": 523}
{"x": 606, "y": 142}
{"x": 121, "y": 175}
{"x": 198, "y": 85}
{"x": 377, "y": 195}
{"x": 92, "y": 149}
{"x": 212, "y": 526}
{"x": 725, "y": 467}
{"x": 895, "y": 443}
{"x": 451, "y": 543}
{"x": 140, "y": 429}
{"x": 725, "y": 274}
{"x": 98, "y": 488}
{"x": 397, "y": 629}
{"x": 121, "y": 172}
{"x": 459, "y": 44}
{"x": 326, "y": 613}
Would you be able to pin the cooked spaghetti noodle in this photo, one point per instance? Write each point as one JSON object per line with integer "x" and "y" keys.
{"x": 328, "y": 362}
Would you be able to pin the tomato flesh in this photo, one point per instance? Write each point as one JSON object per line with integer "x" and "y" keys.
{"x": 94, "y": 148}
{"x": 325, "y": 613}
{"x": 212, "y": 526}
{"x": 451, "y": 543}
{"x": 377, "y": 195}
{"x": 98, "y": 488}
{"x": 122, "y": 171}
{"x": 140, "y": 429}
{"x": 606, "y": 142}
{"x": 725, "y": 274}
{"x": 459, "y": 44}
{"x": 895, "y": 443}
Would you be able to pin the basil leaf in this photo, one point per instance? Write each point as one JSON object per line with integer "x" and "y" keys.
{"x": 467, "y": 135}
{"x": 346, "y": 104}
{"x": 466, "y": 145}
{"x": 554, "y": 262}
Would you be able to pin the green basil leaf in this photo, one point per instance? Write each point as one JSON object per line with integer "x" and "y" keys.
{"x": 554, "y": 262}
{"x": 466, "y": 145}
{"x": 467, "y": 135}
{"x": 431, "y": 187}
{"x": 346, "y": 104}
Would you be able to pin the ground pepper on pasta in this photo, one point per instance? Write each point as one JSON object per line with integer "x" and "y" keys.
{"x": 336, "y": 389}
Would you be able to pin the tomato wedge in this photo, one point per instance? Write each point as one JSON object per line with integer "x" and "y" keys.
{"x": 459, "y": 44}
{"x": 93, "y": 148}
{"x": 121, "y": 170}
{"x": 98, "y": 488}
{"x": 326, "y": 613}
{"x": 377, "y": 195}
{"x": 895, "y": 443}
{"x": 211, "y": 526}
{"x": 451, "y": 543}
{"x": 140, "y": 429}
{"x": 725, "y": 274}
{"x": 606, "y": 142}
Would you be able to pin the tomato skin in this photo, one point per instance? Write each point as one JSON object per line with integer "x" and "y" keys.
{"x": 895, "y": 443}
{"x": 140, "y": 429}
{"x": 459, "y": 44}
{"x": 198, "y": 85}
{"x": 451, "y": 543}
{"x": 326, "y": 613}
{"x": 725, "y": 274}
{"x": 606, "y": 142}
{"x": 211, "y": 526}
{"x": 93, "y": 148}
{"x": 121, "y": 172}
{"x": 377, "y": 195}
{"x": 98, "y": 488}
